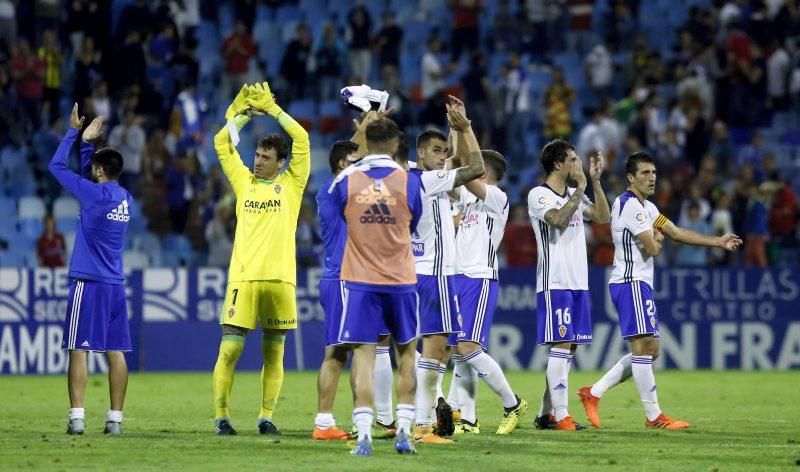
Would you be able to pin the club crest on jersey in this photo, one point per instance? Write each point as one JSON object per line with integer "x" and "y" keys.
{"x": 543, "y": 200}
{"x": 653, "y": 321}
{"x": 639, "y": 217}
{"x": 231, "y": 312}
{"x": 460, "y": 320}
{"x": 562, "y": 330}
{"x": 277, "y": 188}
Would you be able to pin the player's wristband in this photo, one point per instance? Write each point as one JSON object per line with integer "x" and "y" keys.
{"x": 274, "y": 111}
{"x": 235, "y": 125}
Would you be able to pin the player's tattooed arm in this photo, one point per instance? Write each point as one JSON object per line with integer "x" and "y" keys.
{"x": 560, "y": 217}
{"x": 599, "y": 212}
{"x": 467, "y": 144}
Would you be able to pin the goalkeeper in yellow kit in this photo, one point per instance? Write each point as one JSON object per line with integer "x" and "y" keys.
{"x": 261, "y": 277}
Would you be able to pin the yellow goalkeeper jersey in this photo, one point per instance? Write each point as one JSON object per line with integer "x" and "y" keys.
{"x": 266, "y": 211}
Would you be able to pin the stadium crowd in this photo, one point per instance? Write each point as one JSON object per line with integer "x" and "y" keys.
{"x": 710, "y": 88}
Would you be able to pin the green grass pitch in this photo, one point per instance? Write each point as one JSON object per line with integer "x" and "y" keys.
{"x": 740, "y": 420}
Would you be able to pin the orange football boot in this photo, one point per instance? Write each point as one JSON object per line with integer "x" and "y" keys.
{"x": 567, "y": 424}
{"x": 665, "y": 422}
{"x": 590, "y": 404}
{"x": 330, "y": 434}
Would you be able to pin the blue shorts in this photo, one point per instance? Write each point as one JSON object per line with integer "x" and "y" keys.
{"x": 636, "y": 308}
{"x": 97, "y": 317}
{"x": 367, "y": 315}
{"x": 331, "y": 297}
{"x": 563, "y": 316}
{"x": 438, "y": 313}
{"x": 477, "y": 299}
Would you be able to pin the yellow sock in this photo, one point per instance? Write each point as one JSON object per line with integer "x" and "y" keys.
{"x": 229, "y": 351}
{"x": 271, "y": 373}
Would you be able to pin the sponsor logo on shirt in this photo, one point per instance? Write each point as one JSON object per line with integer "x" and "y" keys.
{"x": 418, "y": 248}
{"x": 257, "y": 207}
{"x": 120, "y": 213}
{"x": 441, "y": 174}
{"x": 377, "y": 194}
{"x": 543, "y": 200}
{"x": 639, "y": 218}
{"x": 378, "y": 214}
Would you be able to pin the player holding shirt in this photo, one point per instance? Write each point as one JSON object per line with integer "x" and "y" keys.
{"x": 638, "y": 230}
{"x": 381, "y": 204}
{"x": 563, "y": 314}
{"x": 434, "y": 252}
{"x": 262, "y": 274}
{"x": 97, "y": 314}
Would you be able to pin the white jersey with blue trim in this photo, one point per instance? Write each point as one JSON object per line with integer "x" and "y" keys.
{"x": 434, "y": 240}
{"x": 480, "y": 232}
{"x": 562, "y": 262}
{"x": 629, "y": 219}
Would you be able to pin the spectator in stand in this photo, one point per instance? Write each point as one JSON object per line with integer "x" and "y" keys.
{"x": 237, "y": 50}
{"x": 721, "y": 146}
{"x": 580, "y": 38}
{"x": 398, "y": 98}
{"x": 388, "y": 40}
{"x": 156, "y": 157}
{"x": 466, "y": 34}
{"x": 99, "y": 104}
{"x": 50, "y": 53}
{"x": 182, "y": 187}
{"x": 433, "y": 72}
{"x": 8, "y": 22}
{"x": 721, "y": 224}
{"x": 28, "y": 70}
{"x": 602, "y": 244}
{"x": 753, "y": 154}
{"x": 184, "y": 65}
{"x": 558, "y": 98}
{"x": 756, "y": 229}
{"x": 507, "y": 31}
{"x": 219, "y": 235}
{"x": 329, "y": 59}
{"x": 294, "y": 64}
{"x": 51, "y": 251}
{"x": 360, "y": 54}
{"x": 599, "y": 69}
{"x": 591, "y": 137}
{"x": 519, "y": 242}
{"x": 135, "y": 17}
{"x": 778, "y": 63}
{"x": 518, "y": 110}
{"x": 129, "y": 63}
{"x": 164, "y": 45}
{"x": 88, "y": 68}
{"x": 693, "y": 256}
{"x": 129, "y": 139}
{"x": 477, "y": 94}
{"x": 783, "y": 216}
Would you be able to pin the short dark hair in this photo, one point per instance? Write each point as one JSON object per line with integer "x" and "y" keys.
{"x": 496, "y": 161}
{"x": 632, "y": 163}
{"x": 426, "y": 136}
{"x": 339, "y": 151}
{"x": 554, "y": 152}
{"x": 276, "y": 142}
{"x": 401, "y": 155}
{"x": 110, "y": 160}
{"x": 382, "y": 131}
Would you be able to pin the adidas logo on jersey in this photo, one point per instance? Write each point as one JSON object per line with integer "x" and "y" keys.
{"x": 378, "y": 214}
{"x": 120, "y": 213}
{"x": 85, "y": 344}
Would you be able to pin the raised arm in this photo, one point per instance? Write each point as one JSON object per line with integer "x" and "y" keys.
{"x": 76, "y": 185}
{"x": 560, "y": 217}
{"x": 729, "y": 242}
{"x": 467, "y": 145}
{"x": 598, "y": 212}
{"x": 227, "y": 138}
{"x": 91, "y": 133}
{"x": 259, "y": 97}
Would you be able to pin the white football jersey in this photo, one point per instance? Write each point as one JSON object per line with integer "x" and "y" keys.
{"x": 480, "y": 232}
{"x": 434, "y": 241}
{"x": 562, "y": 262}
{"x": 630, "y": 218}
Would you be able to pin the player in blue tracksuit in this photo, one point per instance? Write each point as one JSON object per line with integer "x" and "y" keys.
{"x": 97, "y": 315}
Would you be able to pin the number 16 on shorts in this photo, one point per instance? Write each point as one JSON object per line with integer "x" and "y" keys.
{"x": 563, "y": 316}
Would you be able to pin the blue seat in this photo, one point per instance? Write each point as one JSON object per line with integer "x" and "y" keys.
{"x": 286, "y": 13}
{"x": 31, "y": 228}
{"x": 303, "y": 110}
{"x": 22, "y": 243}
{"x": 8, "y": 206}
{"x": 66, "y": 225}
{"x": 177, "y": 243}
{"x": 12, "y": 259}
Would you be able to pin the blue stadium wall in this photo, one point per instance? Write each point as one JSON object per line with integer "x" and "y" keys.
{"x": 717, "y": 319}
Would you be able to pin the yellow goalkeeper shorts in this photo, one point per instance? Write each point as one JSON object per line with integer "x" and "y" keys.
{"x": 271, "y": 301}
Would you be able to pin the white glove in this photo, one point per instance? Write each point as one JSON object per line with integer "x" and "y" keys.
{"x": 364, "y": 98}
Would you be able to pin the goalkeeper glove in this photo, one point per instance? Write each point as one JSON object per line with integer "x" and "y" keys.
{"x": 260, "y": 98}
{"x": 239, "y": 105}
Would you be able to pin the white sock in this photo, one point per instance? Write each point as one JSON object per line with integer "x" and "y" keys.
{"x": 77, "y": 413}
{"x": 114, "y": 416}
{"x": 546, "y": 407}
{"x": 405, "y": 416}
{"x": 466, "y": 389}
{"x": 642, "y": 367}
{"x": 439, "y": 393}
{"x": 324, "y": 421}
{"x": 452, "y": 393}
{"x": 362, "y": 418}
{"x": 427, "y": 373}
{"x": 557, "y": 382}
{"x": 489, "y": 370}
{"x": 383, "y": 379}
{"x": 616, "y": 375}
